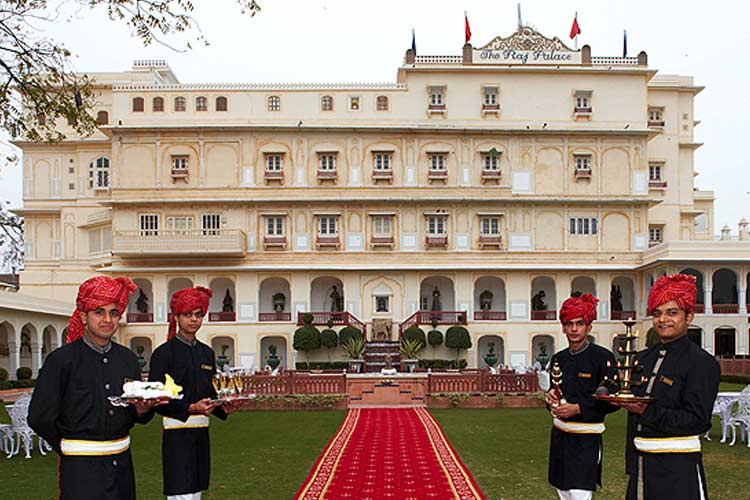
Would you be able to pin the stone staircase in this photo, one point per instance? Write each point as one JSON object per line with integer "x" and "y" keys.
{"x": 375, "y": 353}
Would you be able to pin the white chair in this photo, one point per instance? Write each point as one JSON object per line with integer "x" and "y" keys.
{"x": 721, "y": 409}
{"x": 6, "y": 438}
{"x": 741, "y": 418}
{"x": 21, "y": 433}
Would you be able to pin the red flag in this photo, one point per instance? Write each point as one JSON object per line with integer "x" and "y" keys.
{"x": 467, "y": 29}
{"x": 575, "y": 29}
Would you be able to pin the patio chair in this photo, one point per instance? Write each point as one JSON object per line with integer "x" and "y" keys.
{"x": 741, "y": 418}
{"x": 21, "y": 433}
{"x": 721, "y": 409}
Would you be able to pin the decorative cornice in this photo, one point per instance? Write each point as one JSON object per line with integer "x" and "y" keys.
{"x": 527, "y": 38}
{"x": 259, "y": 86}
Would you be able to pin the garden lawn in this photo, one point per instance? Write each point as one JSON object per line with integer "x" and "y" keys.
{"x": 267, "y": 455}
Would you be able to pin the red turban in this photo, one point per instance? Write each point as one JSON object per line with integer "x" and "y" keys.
{"x": 97, "y": 292}
{"x": 186, "y": 300}
{"x": 678, "y": 287}
{"x": 579, "y": 307}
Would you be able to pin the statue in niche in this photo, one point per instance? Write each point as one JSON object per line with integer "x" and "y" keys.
{"x": 615, "y": 297}
{"x": 485, "y": 300}
{"x": 537, "y": 301}
{"x": 141, "y": 303}
{"x": 337, "y": 301}
{"x": 228, "y": 303}
{"x": 436, "y": 304}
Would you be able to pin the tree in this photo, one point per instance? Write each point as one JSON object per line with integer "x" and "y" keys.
{"x": 39, "y": 87}
{"x": 11, "y": 241}
{"x": 457, "y": 337}
{"x": 349, "y": 332}
{"x": 329, "y": 339}
{"x": 414, "y": 333}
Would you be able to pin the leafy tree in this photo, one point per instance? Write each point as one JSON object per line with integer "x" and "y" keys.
{"x": 434, "y": 338}
{"x": 329, "y": 339}
{"x": 457, "y": 337}
{"x": 306, "y": 338}
{"x": 348, "y": 333}
{"x": 39, "y": 86}
{"x": 414, "y": 333}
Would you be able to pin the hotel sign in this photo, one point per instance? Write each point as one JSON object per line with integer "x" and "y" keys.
{"x": 526, "y": 47}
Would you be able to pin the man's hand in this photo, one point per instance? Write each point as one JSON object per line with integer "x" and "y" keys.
{"x": 566, "y": 410}
{"x": 203, "y": 407}
{"x": 551, "y": 398}
{"x": 637, "y": 408}
{"x": 146, "y": 405}
{"x": 230, "y": 406}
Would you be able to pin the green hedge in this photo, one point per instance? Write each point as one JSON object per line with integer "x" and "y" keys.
{"x": 442, "y": 364}
{"x": 329, "y": 338}
{"x": 457, "y": 337}
{"x": 414, "y": 333}
{"x": 306, "y": 338}
{"x": 347, "y": 333}
{"x": 435, "y": 337}
{"x": 24, "y": 373}
{"x": 735, "y": 379}
{"x": 3, "y": 375}
{"x": 16, "y": 384}
{"x": 322, "y": 365}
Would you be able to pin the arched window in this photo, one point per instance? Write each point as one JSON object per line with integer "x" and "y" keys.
{"x": 382, "y": 103}
{"x": 221, "y": 103}
{"x": 157, "y": 104}
{"x": 99, "y": 173}
{"x": 326, "y": 103}
{"x": 274, "y": 103}
{"x": 137, "y": 104}
{"x": 102, "y": 118}
{"x": 180, "y": 104}
{"x": 201, "y": 103}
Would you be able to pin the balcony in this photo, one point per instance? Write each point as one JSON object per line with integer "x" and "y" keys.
{"x": 653, "y": 243}
{"x": 180, "y": 173}
{"x": 381, "y": 241}
{"x": 543, "y": 315}
{"x": 436, "y": 108}
{"x": 490, "y": 316}
{"x": 656, "y": 123}
{"x": 700, "y": 308}
{"x": 430, "y": 317}
{"x": 217, "y": 242}
{"x": 437, "y": 175}
{"x": 491, "y": 175}
{"x": 327, "y": 175}
{"x": 657, "y": 184}
{"x": 140, "y": 317}
{"x": 328, "y": 241}
{"x": 273, "y": 175}
{"x": 275, "y": 316}
{"x": 490, "y": 108}
{"x": 436, "y": 241}
{"x": 382, "y": 175}
{"x": 490, "y": 241}
{"x": 621, "y": 315}
{"x": 222, "y": 316}
{"x": 583, "y": 173}
{"x": 342, "y": 318}
{"x": 725, "y": 308}
{"x": 582, "y": 111}
{"x": 276, "y": 242}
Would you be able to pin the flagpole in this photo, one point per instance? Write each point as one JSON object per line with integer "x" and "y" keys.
{"x": 576, "y": 40}
{"x": 520, "y": 23}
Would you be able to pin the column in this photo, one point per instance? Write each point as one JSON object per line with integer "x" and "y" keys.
{"x": 36, "y": 358}
{"x": 707, "y": 300}
{"x": 742, "y": 297}
{"x": 15, "y": 358}
{"x": 603, "y": 289}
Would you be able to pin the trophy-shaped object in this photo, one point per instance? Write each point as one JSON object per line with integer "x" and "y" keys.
{"x": 556, "y": 377}
{"x": 628, "y": 372}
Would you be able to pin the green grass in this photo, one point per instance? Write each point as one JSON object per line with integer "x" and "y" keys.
{"x": 731, "y": 387}
{"x": 267, "y": 455}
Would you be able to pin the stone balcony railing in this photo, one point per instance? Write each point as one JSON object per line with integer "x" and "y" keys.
{"x": 220, "y": 242}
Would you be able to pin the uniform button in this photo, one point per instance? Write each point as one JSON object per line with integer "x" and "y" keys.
{"x": 114, "y": 462}
{"x": 111, "y": 412}
{"x": 106, "y": 386}
{"x": 105, "y": 360}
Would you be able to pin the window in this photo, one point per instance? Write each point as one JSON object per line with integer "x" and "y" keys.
{"x": 382, "y": 161}
{"x": 201, "y": 103}
{"x": 382, "y": 304}
{"x": 327, "y": 162}
{"x": 655, "y": 172}
{"x": 437, "y": 161}
{"x": 437, "y": 98}
{"x": 157, "y": 104}
{"x": 354, "y": 103}
{"x": 489, "y": 98}
{"x": 148, "y": 224}
{"x": 491, "y": 161}
{"x": 102, "y": 118}
{"x": 382, "y": 103}
{"x": 582, "y": 101}
{"x": 655, "y": 235}
{"x": 490, "y": 226}
{"x": 326, "y": 103}
{"x": 210, "y": 224}
{"x": 222, "y": 104}
{"x": 327, "y": 225}
{"x": 137, "y": 104}
{"x": 275, "y": 226}
{"x": 436, "y": 225}
{"x": 180, "y": 225}
{"x": 582, "y": 164}
{"x": 100, "y": 240}
{"x": 382, "y": 226}
{"x": 274, "y": 103}
{"x": 180, "y": 164}
{"x": 583, "y": 225}
{"x": 180, "y": 104}
{"x": 655, "y": 117}
{"x": 99, "y": 173}
{"x": 274, "y": 162}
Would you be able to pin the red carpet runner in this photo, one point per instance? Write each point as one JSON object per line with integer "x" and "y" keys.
{"x": 399, "y": 454}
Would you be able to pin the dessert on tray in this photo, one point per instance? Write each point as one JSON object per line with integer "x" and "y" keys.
{"x": 137, "y": 390}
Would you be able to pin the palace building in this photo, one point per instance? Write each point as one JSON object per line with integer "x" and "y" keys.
{"x": 479, "y": 189}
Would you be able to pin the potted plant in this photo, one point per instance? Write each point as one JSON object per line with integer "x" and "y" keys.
{"x": 457, "y": 337}
{"x": 306, "y": 337}
{"x": 222, "y": 360}
{"x": 491, "y": 358}
{"x": 141, "y": 360}
{"x": 410, "y": 348}
{"x": 279, "y": 302}
{"x": 355, "y": 349}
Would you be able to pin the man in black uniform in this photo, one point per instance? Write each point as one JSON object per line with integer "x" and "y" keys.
{"x": 186, "y": 458}
{"x": 70, "y": 409}
{"x": 663, "y": 449}
{"x": 575, "y": 454}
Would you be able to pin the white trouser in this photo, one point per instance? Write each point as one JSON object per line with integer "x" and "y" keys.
{"x": 189, "y": 496}
{"x": 574, "y": 494}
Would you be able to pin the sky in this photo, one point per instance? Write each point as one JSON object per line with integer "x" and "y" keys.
{"x": 358, "y": 41}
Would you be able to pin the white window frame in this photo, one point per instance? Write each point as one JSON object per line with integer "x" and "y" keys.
{"x": 489, "y": 225}
{"x": 655, "y": 172}
{"x": 274, "y": 226}
{"x": 210, "y": 224}
{"x": 273, "y": 103}
{"x": 100, "y": 240}
{"x": 490, "y": 163}
{"x": 381, "y": 161}
{"x": 382, "y": 226}
{"x": 274, "y": 162}
{"x": 437, "y": 96}
{"x": 583, "y": 226}
{"x": 437, "y": 162}
{"x": 148, "y": 224}
{"x": 328, "y": 226}
{"x": 655, "y": 234}
{"x": 436, "y": 225}
{"x": 656, "y": 114}
{"x": 490, "y": 96}
{"x": 327, "y": 162}
{"x": 582, "y": 162}
{"x": 180, "y": 224}
{"x": 99, "y": 173}
{"x": 180, "y": 162}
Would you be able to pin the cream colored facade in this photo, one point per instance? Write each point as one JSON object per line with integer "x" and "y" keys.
{"x": 463, "y": 176}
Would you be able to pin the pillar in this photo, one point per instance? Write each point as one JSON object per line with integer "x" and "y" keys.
{"x": 707, "y": 298}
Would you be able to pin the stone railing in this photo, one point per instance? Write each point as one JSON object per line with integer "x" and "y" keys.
{"x": 439, "y": 317}
{"x": 479, "y": 381}
{"x": 337, "y": 318}
{"x": 211, "y": 242}
{"x": 735, "y": 365}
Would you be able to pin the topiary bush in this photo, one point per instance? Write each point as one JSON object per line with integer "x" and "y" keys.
{"x": 308, "y": 318}
{"x": 306, "y": 338}
{"x": 457, "y": 337}
{"x": 24, "y": 373}
{"x": 3, "y": 375}
{"x": 329, "y": 339}
{"x": 414, "y": 333}
{"x": 435, "y": 337}
{"x": 347, "y": 333}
